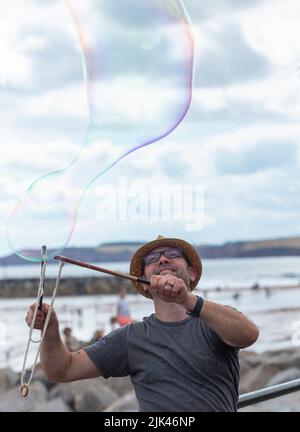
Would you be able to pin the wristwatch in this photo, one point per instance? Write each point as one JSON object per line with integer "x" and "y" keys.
{"x": 197, "y": 309}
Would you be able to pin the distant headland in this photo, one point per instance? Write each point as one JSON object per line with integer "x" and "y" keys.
{"x": 123, "y": 251}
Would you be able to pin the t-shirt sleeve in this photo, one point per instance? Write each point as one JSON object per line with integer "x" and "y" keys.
{"x": 110, "y": 353}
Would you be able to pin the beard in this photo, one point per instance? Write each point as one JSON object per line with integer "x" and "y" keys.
{"x": 183, "y": 275}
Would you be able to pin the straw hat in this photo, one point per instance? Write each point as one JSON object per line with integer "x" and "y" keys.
{"x": 137, "y": 265}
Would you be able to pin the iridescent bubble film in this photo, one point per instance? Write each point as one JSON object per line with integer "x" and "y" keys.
{"x": 138, "y": 68}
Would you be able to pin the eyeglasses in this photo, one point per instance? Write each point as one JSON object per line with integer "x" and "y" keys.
{"x": 170, "y": 253}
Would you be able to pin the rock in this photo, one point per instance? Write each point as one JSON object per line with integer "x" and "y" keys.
{"x": 256, "y": 378}
{"x": 61, "y": 391}
{"x": 295, "y": 360}
{"x": 283, "y": 360}
{"x": 127, "y": 403}
{"x": 256, "y": 359}
{"x": 74, "y": 391}
{"x": 55, "y": 405}
{"x": 251, "y": 358}
{"x": 94, "y": 399}
{"x": 280, "y": 361}
{"x": 120, "y": 385}
{"x": 244, "y": 366}
{"x": 39, "y": 375}
{"x": 8, "y": 379}
{"x": 286, "y": 375}
{"x": 287, "y": 403}
{"x": 12, "y": 401}
{"x": 68, "y": 391}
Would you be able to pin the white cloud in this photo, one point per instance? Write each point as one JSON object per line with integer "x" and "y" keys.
{"x": 67, "y": 102}
{"x": 15, "y": 68}
{"x": 273, "y": 29}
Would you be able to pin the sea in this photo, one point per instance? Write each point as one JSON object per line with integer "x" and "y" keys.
{"x": 267, "y": 290}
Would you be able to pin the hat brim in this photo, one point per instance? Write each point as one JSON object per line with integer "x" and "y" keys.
{"x": 137, "y": 266}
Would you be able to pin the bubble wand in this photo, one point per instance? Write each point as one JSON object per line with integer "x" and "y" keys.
{"x": 101, "y": 269}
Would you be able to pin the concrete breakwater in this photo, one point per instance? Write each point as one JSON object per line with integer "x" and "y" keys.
{"x": 21, "y": 288}
{"x": 78, "y": 286}
{"x": 117, "y": 394}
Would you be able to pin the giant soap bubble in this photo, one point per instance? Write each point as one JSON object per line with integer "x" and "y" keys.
{"x": 138, "y": 61}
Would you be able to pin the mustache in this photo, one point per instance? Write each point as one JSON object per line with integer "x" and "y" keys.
{"x": 165, "y": 267}
{"x": 178, "y": 273}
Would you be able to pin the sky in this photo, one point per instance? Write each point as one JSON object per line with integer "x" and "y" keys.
{"x": 232, "y": 163}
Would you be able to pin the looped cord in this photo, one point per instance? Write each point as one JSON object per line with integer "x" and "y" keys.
{"x": 25, "y": 385}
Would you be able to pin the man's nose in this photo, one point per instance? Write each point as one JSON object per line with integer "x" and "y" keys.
{"x": 163, "y": 259}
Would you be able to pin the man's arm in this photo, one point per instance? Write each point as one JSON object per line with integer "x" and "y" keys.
{"x": 231, "y": 325}
{"x": 57, "y": 362}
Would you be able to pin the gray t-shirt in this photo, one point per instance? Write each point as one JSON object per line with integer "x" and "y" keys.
{"x": 179, "y": 366}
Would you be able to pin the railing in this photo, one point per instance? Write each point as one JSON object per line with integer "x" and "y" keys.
{"x": 268, "y": 393}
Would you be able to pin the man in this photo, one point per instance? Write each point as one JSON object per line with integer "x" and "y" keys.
{"x": 184, "y": 357}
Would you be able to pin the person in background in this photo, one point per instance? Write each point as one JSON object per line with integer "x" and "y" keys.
{"x": 113, "y": 322}
{"x": 70, "y": 341}
{"x": 123, "y": 311}
{"x": 98, "y": 334}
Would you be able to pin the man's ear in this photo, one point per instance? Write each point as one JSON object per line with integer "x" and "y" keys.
{"x": 192, "y": 273}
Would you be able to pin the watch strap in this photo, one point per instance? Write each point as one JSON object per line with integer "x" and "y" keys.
{"x": 197, "y": 309}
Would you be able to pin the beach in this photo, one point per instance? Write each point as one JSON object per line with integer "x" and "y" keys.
{"x": 276, "y": 312}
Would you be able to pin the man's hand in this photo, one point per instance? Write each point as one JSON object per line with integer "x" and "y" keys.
{"x": 57, "y": 362}
{"x": 169, "y": 288}
{"x": 41, "y": 317}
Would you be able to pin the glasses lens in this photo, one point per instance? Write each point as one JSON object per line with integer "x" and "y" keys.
{"x": 173, "y": 253}
{"x": 151, "y": 258}
{"x": 169, "y": 253}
